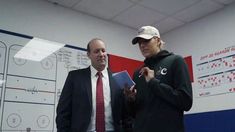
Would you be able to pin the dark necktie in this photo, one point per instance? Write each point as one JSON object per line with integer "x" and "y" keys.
{"x": 100, "y": 122}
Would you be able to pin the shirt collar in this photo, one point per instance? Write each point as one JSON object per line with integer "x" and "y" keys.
{"x": 94, "y": 71}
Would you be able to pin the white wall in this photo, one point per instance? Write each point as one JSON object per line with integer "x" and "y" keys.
{"x": 207, "y": 35}
{"x": 47, "y": 21}
{"x": 211, "y": 32}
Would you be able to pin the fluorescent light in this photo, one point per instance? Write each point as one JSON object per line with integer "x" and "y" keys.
{"x": 2, "y": 81}
{"x": 37, "y": 49}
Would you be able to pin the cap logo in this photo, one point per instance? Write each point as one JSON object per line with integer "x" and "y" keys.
{"x": 149, "y": 31}
{"x": 141, "y": 30}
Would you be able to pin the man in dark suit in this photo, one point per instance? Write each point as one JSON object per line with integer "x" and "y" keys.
{"x": 77, "y": 107}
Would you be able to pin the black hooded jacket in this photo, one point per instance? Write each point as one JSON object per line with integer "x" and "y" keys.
{"x": 160, "y": 103}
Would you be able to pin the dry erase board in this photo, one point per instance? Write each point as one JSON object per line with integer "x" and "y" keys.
{"x": 29, "y": 90}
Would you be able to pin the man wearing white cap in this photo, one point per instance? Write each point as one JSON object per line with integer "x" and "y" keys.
{"x": 163, "y": 89}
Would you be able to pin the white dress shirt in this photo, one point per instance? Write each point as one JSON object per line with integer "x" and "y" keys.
{"x": 107, "y": 100}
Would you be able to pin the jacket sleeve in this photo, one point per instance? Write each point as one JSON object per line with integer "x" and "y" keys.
{"x": 132, "y": 105}
{"x": 127, "y": 119}
{"x": 63, "y": 117}
{"x": 180, "y": 93}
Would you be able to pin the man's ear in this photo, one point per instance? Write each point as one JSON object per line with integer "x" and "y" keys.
{"x": 158, "y": 39}
{"x": 158, "y": 42}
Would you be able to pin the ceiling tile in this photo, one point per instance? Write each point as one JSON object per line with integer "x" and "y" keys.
{"x": 168, "y": 24}
{"x": 54, "y": 0}
{"x": 65, "y": 3}
{"x": 168, "y": 14}
{"x": 200, "y": 9}
{"x": 69, "y": 3}
{"x": 168, "y": 7}
{"x": 138, "y": 16}
{"x": 135, "y": 1}
{"x": 225, "y": 1}
{"x": 105, "y": 9}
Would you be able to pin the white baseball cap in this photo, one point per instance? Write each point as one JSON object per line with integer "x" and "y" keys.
{"x": 146, "y": 32}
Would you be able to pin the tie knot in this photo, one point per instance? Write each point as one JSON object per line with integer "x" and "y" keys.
{"x": 99, "y": 74}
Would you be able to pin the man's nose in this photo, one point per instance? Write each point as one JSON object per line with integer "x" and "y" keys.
{"x": 101, "y": 53}
{"x": 142, "y": 44}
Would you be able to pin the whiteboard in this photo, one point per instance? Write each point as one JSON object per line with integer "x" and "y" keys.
{"x": 30, "y": 90}
{"x": 215, "y": 73}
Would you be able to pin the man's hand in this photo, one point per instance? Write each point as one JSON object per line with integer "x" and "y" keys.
{"x": 147, "y": 73}
{"x": 130, "y": 93}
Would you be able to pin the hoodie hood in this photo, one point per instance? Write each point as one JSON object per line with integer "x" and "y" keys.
{"x": 152, "y": 60}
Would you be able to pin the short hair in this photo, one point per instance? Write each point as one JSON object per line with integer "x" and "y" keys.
{"x": 92, "y": 41}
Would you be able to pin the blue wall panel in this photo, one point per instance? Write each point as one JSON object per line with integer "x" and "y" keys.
{"x": 219, "y": 121}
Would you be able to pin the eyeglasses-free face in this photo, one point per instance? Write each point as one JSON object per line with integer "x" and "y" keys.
{"x": 149, "y": 47}
{"x": 143, "y": 41}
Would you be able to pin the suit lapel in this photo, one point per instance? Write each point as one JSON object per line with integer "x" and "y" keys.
{"x": 88, "y": 87}
{"x": 112, "y": 87}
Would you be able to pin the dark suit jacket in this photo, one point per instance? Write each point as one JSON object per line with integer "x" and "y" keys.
{"x": 75, "y": 103}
